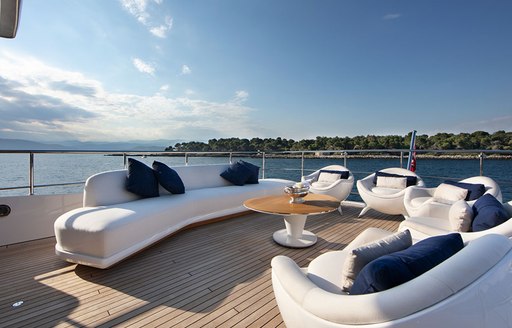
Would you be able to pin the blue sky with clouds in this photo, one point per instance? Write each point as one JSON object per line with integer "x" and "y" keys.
{"x": 199, "y": 69}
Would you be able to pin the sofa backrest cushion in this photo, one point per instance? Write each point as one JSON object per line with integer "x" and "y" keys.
{"x": 460, "y": 216}
{"x": 202, "y": 176}
{"x": 412, "y": 180}
{"x": 397, "y": 268}
{"x": 475, "y": 190}
{"x": 255, "y": 172}
{"x": 168, "y": 178}
{"x": 332, "y": 175}
{"x": 238, "y": 174}
{"x": 108, "y": 188}
{"x": 392, "y": 182}
{"x": 488, "y": 213}
{"x": 448, "y": 194}
{"x": 141, "y": 180}
{"x": 359, "y": 257}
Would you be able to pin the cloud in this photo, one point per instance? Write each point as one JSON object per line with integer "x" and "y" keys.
{"x": 150, "y": 15}
{"x": 391, "y": 16}
{"x": 161, "y": 31}
{"x": 46, "y": 103}
{"x": 241, "y": 95}
{"x": 185, "y": 70}
{"x": 164, "y": 87}
{"x": 491, "y": 124}
{"x": 143, "y": 67}
{"x": 137, "y": 8}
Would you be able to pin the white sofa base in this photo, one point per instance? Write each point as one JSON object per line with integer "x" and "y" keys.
{"x": 114, "y": 224}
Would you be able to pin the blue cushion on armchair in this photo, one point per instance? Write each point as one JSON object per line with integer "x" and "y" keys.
{"x": 168, "y": 178}
{"x": 475, "y": 190}
{"x": 488, "y": 212}
{"x": 397, "y": 268}
{"x": 141, "y": 180}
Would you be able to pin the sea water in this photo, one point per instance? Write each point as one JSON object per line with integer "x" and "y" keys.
{"x": 65, "y": 168}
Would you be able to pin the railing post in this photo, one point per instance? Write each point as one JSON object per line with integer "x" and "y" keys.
{"x": 402, "y": 159}
{"x": 481, "y": 156}
{"x": 125, "y": 160}
{"x": 230, "y": 158}
{"x": 31, "y": 174}
{"x": 302, "y": 165}
{"x": 345, "y": 154}
{"x": 186, "y": 158}
{"x": 263, "y": 165}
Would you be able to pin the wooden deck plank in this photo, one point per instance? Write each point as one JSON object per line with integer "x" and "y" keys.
{"x": 213, "y": 275}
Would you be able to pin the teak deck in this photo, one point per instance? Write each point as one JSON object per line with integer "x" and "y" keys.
{"x": 212, "y": 275}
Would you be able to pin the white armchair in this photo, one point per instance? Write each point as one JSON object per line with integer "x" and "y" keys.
{"x": 472, "y": 288}
{"x": 420, "y": 201}
{"x": 424, "y": 227}
{"x": 327, "y": 181}
{"x": 386, "y": 199}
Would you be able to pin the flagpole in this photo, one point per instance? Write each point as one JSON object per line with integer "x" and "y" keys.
{"x": 412, "y": 147}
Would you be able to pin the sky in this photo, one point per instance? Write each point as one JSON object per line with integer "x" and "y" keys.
{"x": 117, "y": 70}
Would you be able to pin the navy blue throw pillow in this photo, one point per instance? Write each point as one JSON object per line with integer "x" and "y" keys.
{"x": 488, "y": 212}
{"x": 411, "y": 180}
{"x": 237, "y": 174}
{"x": 343, "y": 174}
{"x": 475, "y": 190}
{"x": 255, "y": 172}
{"x": 397, "y": 268}
{"x": 141, "y": 180}
{"x": 168, "y": 178}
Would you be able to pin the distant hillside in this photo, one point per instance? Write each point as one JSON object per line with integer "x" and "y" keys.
{"x": 135, "y": 145}
{"x": 18, "y": 144}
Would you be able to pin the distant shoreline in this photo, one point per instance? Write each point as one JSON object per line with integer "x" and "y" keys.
{"x": 348, "y": 156}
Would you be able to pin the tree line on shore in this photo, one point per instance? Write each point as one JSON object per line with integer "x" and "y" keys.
{"x": 499, "y": 140}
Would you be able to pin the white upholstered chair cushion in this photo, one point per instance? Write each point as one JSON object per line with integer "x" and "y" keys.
{"x": 391, "y": 182}
{"x": 449, "y": 194}
{"x": 359, "y": 257}
{"x": 460, "y": 216}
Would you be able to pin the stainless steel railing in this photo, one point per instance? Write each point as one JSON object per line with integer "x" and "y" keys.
{"x": 302, "y": 154}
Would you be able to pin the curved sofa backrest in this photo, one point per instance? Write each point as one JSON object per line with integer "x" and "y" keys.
{"x": 202, "y": 176}
{"x": 107, "y": 188}
{"x": 491, "y": 187}
{"x": 398, "y": 170}
{"x": 460, "y": 271}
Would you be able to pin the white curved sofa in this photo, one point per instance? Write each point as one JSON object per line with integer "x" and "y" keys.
{"x": 420, "y": 201}
{"x": 114, "y": 223}
{"x": 424, "y": 227}
{"x": 473, "y": 288}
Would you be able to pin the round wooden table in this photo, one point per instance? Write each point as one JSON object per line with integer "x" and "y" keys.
{"x": 295, "y": 216}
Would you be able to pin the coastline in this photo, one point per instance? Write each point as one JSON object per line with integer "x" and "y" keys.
{"x": 467, "y": 156}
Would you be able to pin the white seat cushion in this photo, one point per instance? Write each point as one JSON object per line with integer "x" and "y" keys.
{"x": 319, "y": 184}
{"x": 429, "y": 225}
{"x": 325, "y": 271}
{"x": 384, "y": 190}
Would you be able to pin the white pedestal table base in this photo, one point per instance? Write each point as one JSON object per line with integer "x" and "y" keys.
{"x": 294, "y": 235}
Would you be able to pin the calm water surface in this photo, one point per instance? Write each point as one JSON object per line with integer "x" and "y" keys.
{"x": 52, "y": 169}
